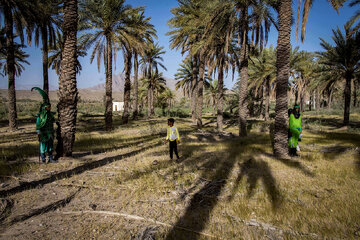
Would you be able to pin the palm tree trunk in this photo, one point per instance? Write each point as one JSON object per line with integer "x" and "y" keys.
{"x": 127, "y": 87}
{"x": 302, "y": 101}
{"x": 329, "y": 99}
{"x": 318, "y": 99}
{"x": 194, "y": 89}
{"x": 68, "y": 94}
{"x": 310, "y": 101}
{"x": 356, "y": 86}
{"x": 296, "y": 96}
{"x": 267, "y": 101}
{"x": 199, "y": 102}
{"x": 220, "y": 96}
{"x": 44, "y": 39}
{"x": 243, "y": 74}
{"x": 149, "y": 102}
{"x": 347, "y": 95}
{"x": 261, "y": 111}
{"x": 282, "y": 65}
{"x": 108, "y": 85}
{"x": 152, "y": 101}
{"x": 10, "y": 61}
{"x": 136, "y": 87}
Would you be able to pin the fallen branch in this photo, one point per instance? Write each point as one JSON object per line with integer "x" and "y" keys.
{"x": 156, "y": 200}
{"x": 87, "y": 186}
{"x": 110, "y": 173}
{"x": 138, "y": 218}
{"x": 268, "y": 227}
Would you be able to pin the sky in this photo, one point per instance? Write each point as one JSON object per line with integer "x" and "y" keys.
{"x": 322, "y": 19}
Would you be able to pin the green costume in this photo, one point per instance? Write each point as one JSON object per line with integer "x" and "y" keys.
{"x": 45, "y": 127}
{"x": 295, "y": 128}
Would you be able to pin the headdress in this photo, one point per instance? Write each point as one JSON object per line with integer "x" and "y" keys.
{"x": 43, "y": 113}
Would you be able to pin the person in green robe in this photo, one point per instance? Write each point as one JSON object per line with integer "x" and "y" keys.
{"x": 45, "y": 127}
{"x": 295, "y": 130}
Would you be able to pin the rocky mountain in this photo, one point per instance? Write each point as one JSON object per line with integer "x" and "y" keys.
{"x": 119, "y": 80}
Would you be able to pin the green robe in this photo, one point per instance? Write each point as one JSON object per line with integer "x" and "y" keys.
{"x": 295, "y": 129}
{"x": 45, "y": 127}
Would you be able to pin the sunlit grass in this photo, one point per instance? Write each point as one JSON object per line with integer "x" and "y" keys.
{"x": 220, "y": 185}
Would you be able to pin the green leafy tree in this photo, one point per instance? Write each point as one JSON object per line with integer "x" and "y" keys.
{"x": 17, "y": 16}
{"x": 110, "y": 25}
{"x": 151, "y": 61}
{"x": 47, "y": 19}
{"x": 344, "y": 58}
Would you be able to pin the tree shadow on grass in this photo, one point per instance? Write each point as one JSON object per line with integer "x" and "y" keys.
{"x": 198, "y": 212}
{"x": 71, "y": 172}
{"x": 21, "y": 122}
{"x": 357, "y": 163}
{"x": 293, "y": 163}
{"x": 333, "y": 122}
{"x": 188, "y": 151}
{"x": 256, "y": 170}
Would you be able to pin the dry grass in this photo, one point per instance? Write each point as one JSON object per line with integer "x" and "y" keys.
{"x": 224, "y": 186}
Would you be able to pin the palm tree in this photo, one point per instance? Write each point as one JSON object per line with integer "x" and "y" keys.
{"x": 155, "y": 84}
{"x": 262, "y": 74}
{"x": 188, "y": 26}
{"x": 20, "y": 59}
{"x": 305, "y": 73}
{"x": 55, "y": 58}
{"x": 211, "y": 94}
{"x": 168, "y": 97}
{"x": 16, "y": 14}
{"x": 110, "y": 22}
{"x": 187, "y": 80}
{"x": 221, "y": 47}
{"x": 354, "y": 18}
{"x": 150, "y": 62}
{"x": 344, "y": 58}
{"x": 20, "y": 56}
{"x": 259, "y": 22}
{"x": 282, "y": 64}
{"x": 46, "y": 22}
{"x": 141, "y": 33}
{"x": 184, "y": 76}
{"x": 146, "y": 33}
{"x": 68, "y": 93}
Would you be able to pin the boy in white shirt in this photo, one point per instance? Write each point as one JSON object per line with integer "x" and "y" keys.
{"x": 173, "y": 138}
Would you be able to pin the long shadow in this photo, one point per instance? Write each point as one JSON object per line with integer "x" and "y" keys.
{"x": 202, "y": 203}
{"x": 50, "y": 207}
{"x": 331, "y": 152}
{"x": 331, "y": 122}
{"x": 96, "y": 144}
{"x": 71, "y": 172}
{"x": 198, "y": 212}
{"x": 292, "y": 163}
{"x": 187, "y": 152}
{"x": 255, "y": 171}
{"x": 357, "y": 163}
{"x": 21, "y": 122}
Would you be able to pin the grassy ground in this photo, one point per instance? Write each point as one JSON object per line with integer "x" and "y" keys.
{"x": 223, "y": 188}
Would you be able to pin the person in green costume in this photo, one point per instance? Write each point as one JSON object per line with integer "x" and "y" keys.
{"x": 295, "y": 130}
{"x": 45, "y": 127}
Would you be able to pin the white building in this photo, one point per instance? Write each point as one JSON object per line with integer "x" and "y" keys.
{"x": 118, "y": 106}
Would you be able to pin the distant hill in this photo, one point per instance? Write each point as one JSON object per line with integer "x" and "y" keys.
{"x": 119, "y": 81}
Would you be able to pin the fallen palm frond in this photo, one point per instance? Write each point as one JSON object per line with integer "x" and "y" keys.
{"x": 138, "y": 218}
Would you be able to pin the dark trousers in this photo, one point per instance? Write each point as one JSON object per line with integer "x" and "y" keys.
{"x": 173, "y": 148}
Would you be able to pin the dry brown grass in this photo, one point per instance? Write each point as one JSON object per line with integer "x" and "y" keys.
{"x": 224, "y": 186}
